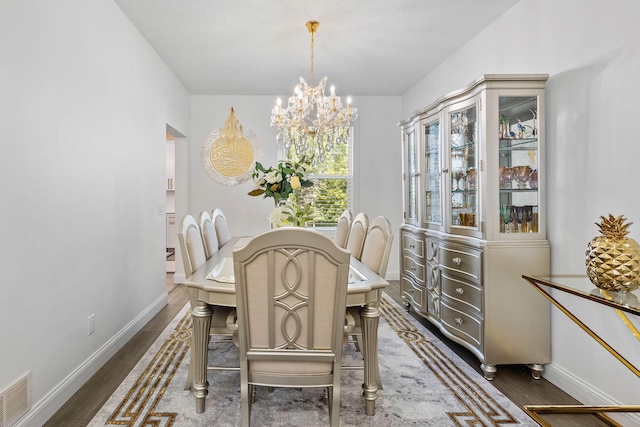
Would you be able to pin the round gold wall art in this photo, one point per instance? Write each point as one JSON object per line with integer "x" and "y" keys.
{"x": 228, "y": 155}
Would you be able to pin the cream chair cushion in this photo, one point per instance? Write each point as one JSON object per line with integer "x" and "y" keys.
{"x": 208, "y": 232}
{"x": 191, "y": 247}
{"x": 377, "y": 246}
{"x": 343, "y": 227}
{"x": 357, "y": 235}
{"x": 221, "y": 226}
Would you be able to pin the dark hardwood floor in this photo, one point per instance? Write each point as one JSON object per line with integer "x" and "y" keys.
{"x": 514, "y": 381}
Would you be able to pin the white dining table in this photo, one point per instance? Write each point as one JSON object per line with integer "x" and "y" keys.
{"x": 213, "y": 284}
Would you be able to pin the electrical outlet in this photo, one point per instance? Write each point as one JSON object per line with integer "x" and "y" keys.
{"x": 91, "y": 327}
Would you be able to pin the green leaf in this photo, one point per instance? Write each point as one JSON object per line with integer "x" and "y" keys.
{"x": 256, "y": 192}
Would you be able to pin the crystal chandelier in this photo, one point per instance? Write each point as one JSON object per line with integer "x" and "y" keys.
{"x": 313, "y": 123}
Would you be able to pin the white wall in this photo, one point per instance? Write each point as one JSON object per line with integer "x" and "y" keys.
{"x": 591, "y": 49}
{"x": 377, "y": 168}
{"x": 84, "y": 106}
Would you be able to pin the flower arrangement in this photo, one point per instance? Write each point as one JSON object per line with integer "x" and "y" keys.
{"x": 291, "y": 213}
{"x": 281, "y": 180}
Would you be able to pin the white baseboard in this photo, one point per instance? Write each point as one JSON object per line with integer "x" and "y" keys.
{"x": 53, "y": 401}
{"x": 586, "y": 393}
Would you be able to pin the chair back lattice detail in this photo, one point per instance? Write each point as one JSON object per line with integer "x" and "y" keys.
{"x": 291, "y": 302}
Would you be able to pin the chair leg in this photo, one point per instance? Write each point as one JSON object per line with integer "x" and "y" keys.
{"x": 358, "y": 342}
{"x": 246, "y": 392}
{"x": 334, "y": 411}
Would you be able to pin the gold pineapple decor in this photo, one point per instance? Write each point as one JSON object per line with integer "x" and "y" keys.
{"x": 613, "y": 259}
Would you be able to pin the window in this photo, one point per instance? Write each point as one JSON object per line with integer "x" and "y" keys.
{"x": 331, "y": 193}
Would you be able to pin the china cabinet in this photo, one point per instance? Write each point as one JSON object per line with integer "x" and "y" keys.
{"x": 474, "y": 219}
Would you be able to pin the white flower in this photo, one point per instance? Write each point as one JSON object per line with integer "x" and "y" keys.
{"x": 273, "y": 177}
{"x": 278, "y": 216}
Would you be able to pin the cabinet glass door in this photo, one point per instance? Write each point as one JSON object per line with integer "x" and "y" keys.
{"x": 518, "y": 164}
{"x": 463, "y": 140}
{"x": 432, "y": 174}
{"x": 411, "y": 168}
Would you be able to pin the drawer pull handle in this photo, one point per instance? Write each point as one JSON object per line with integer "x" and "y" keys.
{"x": 457, "y": 261}
{"x": 459, "y": 291}
{"x": 413, "y": 268}
{"x": 411, "y": 290}
{"x": 459, "y": 321}
{"x": 412, "y": 246}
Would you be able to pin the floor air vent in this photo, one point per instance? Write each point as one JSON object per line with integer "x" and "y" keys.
{"x": 15, "y": 401}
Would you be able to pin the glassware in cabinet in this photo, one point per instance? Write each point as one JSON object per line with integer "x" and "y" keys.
{"x": 432, "y": 174}
{"x": 410, "y": 176}
{"x": 463, "y": 143}
{"x": 518, "y": 164}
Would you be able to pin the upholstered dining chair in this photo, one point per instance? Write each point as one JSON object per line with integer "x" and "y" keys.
{"x": 220, "y": 224}
{"x": 357, "y": 235}
{"x": 193, "y": 257}
{"x": 343, "y": 227}
{"x": 209, "y": 235}
{"x": 375, "y": 255}
{"x": 291, "y": 287}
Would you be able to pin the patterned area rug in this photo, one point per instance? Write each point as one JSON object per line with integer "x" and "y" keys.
{"x": 425, "y": 383}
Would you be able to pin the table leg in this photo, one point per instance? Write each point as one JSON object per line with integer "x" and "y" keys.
{"x": 370, "y": 315}
{"x": 201, "y": 314}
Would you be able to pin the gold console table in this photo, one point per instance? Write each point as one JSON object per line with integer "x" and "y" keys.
{"x": 581, "y": 286}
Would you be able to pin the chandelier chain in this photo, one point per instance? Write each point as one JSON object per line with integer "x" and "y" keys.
{"x": 312, "y": 56}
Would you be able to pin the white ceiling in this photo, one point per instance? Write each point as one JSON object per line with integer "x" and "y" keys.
{"x": 261, "y": 47}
